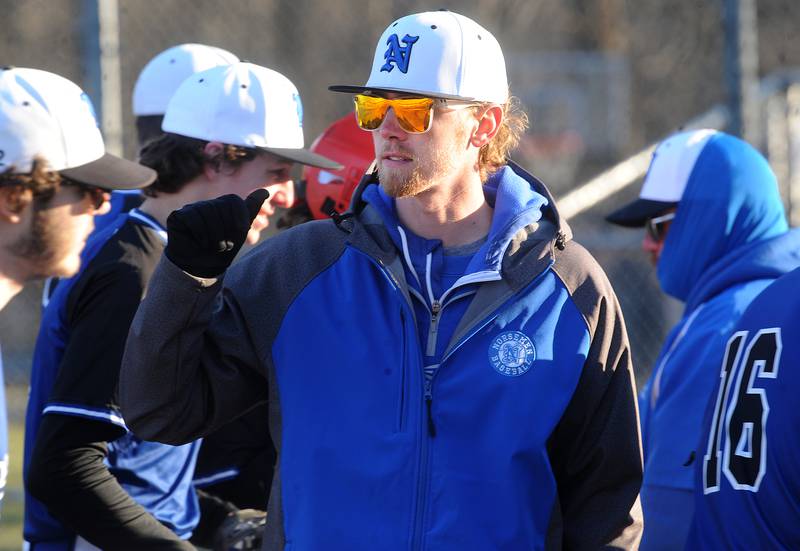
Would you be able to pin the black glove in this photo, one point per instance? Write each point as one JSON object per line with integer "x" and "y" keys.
{"x": 242, "y": 530}
{"x": 204, "y": 237}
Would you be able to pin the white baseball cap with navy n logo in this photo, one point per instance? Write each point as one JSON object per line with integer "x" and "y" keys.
{"x": 437, "y": 54}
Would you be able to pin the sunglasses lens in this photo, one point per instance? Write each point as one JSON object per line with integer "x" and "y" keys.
{"x": 370, "y": 111}
{"x": 414, "y": 115}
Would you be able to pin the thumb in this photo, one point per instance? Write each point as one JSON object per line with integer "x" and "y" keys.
{"x": 254, "y": 202}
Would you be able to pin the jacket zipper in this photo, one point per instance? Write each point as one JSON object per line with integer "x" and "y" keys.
{"x": 433, "y": 330}
{"x": 427, "y": 427}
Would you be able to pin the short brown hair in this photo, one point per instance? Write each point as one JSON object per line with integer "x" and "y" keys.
{"x": 494, "y": 154}
{"x": 41, "y": 181}
{"x": 179, "y": 159}
{"x": 148, "y": 128}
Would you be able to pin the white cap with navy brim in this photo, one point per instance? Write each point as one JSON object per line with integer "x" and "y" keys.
{"x": 437, "y": 54}
{"x": 46, "y": 116}
{"x": 166, "y": 71}
{"x": 246, "y": 105}
{"x": 670, "y": 169}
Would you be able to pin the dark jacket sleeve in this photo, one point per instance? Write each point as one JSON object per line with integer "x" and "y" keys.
{"x": 190, "y": 364}
{"x": 596, "y": 448}
{"x": 68, "y": 474}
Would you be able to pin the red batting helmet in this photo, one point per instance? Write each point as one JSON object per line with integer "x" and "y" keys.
{"x": 344, "y": 142}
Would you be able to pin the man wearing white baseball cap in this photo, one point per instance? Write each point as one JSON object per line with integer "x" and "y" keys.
{"x": 54, "y": 176}
{"x": 445, "y": 368}
{"x": 152, "y": 91}
{"x": 717, "y": 233}
{"x": 90, "y": 479}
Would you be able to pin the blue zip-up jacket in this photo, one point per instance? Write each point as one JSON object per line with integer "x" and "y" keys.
{"x": 526, "y": 437}
{"x": 728, "y": 241}
{"x": 440, "y": 299}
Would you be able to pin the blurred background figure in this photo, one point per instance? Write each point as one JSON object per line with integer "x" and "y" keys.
{"x": 717, "y": 233}
{"x": 748, "y": 488}
{"x": 322, "y": 192}
{"x": 154, "y": 86}
{"x": 162, "y": 75}
{"x": 54, "y": 178}
{"x": 152, "y": 91}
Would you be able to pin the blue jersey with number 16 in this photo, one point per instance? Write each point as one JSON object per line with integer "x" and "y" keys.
{"x": 747, "y": 491}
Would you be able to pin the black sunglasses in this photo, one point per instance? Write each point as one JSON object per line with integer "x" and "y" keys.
{"x": 656, "y": 227}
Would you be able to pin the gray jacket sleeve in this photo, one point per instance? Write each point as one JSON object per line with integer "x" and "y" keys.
{"x": 596, "y": 448}
{"x": 166, "y": 389}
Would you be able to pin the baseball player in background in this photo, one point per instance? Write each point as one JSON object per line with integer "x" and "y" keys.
{"x": 91, "y": 481}
{"x": 54, "y": 178}
{"x": 232, "y": 465}
{"x": 444, "y": 366}
{"x": 747, "y": 493}
{"x": 716, "y": 230}
{"x": 152, "y": 90}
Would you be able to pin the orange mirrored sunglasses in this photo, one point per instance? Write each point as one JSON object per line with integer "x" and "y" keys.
{"x": 414, "y": 115}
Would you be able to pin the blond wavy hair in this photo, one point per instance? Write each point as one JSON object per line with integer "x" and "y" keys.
{"x": 494, "y": 155}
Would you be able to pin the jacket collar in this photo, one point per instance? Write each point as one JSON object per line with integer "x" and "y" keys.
{"x": 520, "y": 246}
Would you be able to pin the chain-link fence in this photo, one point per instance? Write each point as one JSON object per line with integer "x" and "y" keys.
{"x": 600, "y": 79}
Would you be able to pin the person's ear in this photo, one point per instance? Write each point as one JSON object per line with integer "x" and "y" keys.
{"x": 489, "y": 122}
{"x": 213, "y": 154}
{"x": 13, "y": 201}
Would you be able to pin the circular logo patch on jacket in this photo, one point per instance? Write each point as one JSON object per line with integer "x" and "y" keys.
{"x": 512, "y": 353}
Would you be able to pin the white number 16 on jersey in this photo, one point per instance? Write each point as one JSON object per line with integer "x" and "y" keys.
{"x": 742, "y": 414}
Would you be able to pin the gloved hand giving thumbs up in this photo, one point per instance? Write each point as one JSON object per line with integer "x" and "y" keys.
{"x": 204, "y": 237}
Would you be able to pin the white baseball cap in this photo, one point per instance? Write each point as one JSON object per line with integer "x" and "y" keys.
{"x": 47, "y": 116}
{"x": 437, "y": 54}
{"x": 670, "y": 169}
{"x": 243, "y": 104}
{"x": 165, "y": 72}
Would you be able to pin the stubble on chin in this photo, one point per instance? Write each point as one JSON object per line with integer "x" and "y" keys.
{"x": 429, "y": 167}
{"x": 48, "y": 248}
{"x": 399, "y": 185}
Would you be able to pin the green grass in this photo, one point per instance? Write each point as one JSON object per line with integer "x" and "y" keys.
{"x": 11, "y": 519}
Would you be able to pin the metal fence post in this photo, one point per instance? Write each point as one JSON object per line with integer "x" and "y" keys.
{"x": 777, "y": 141}
{"x": 741, "y": 68}
{"x": 100, "y": 27}
{"x": 793, "y": 134}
